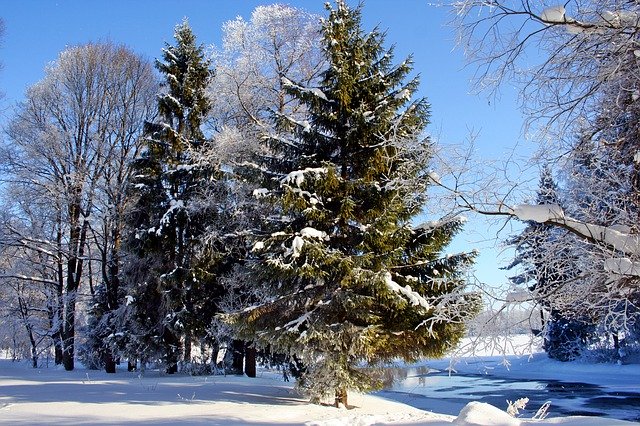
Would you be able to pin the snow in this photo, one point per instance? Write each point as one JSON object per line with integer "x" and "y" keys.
{"x": 187, "y": 167}
{"x": 555, "y": 14}
{"x": 414, "y": 297}
{"x": 313, "y": 233}
{"x": 403, "y": 94}
{"x": 622, "y": 266}
{"x": 299, "y": 240}
{"x": 313, "y": 90}
{"x": 517, "y": 295}
{"x": 620, "y": 240}
{"x": 435, "y": 178}
{"x": 478, "y": 413}
{"x": 260, "y": 192}
{"x": 297, "y": 177}
{"x": 616, "y": 236}
{"x": 295, "y": 324}
{"x": 296, "y": 246}
{"x": 47, "y": 396}
{"x": 433, "y": 224}
{"x": 620, "y": 18}
{"x": 538, "y": 213}
{"x": 173, "y": 205}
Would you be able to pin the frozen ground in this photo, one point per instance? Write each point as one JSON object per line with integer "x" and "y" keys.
{"x": 52, "y": 396}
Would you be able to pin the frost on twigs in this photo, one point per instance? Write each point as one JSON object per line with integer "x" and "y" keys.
{"x": 514, "y": 407}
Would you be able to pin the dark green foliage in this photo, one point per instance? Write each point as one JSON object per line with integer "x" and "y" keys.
{"x": 348, "y": 278}
{"x": 566, "y": 338}
{"x": 170, "y": 270}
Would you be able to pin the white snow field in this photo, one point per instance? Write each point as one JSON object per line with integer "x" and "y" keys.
{"x": 52, "y": 396}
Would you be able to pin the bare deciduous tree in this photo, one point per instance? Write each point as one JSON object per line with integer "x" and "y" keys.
{"x": 577, "y": 65}
{"x": 567, "y": 57}
{"x": 66, "y": 148}
{"x": 247, "y": 88}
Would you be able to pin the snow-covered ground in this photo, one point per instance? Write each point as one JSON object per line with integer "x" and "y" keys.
{"x": 608, "y": 391}
{"x": 52, "y": 396}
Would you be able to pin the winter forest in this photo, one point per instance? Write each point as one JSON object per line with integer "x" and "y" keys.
{"x": 279, "y": 200}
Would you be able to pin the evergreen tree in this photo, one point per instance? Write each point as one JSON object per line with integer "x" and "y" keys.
{"x": 347, "y": 278}
{"x": 168, "y": 281}
{"x": 549, "y": 269}
{"x": 602, "y": 188}
{"x": 532, "y": 245}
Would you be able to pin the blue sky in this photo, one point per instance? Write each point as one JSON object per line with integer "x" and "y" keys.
{"x": 37, "y": 30}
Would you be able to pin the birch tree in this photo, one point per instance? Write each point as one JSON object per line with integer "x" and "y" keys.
{"x": 245, "y": 91}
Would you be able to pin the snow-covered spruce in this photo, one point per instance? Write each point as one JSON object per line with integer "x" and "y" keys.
{"x": 171, "y": 279}
{"x": 347, "y": 279}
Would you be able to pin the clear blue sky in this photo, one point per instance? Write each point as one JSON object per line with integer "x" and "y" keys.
{"x": 37, "y": 30}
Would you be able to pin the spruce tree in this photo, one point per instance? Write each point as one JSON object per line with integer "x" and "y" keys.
{"x": 347, "y": 277}
{"x": 167, "y": 280}
{"x": 532, "y": 245}
{"x": 545, "y": 255}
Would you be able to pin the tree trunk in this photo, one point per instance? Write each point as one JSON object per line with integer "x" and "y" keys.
{"x": 341, "y": 397}
{"x": 77, "y": 243}
{"x": 56, "y": 310}
{"x": 68, "y": 332}
{"x": 57, "y": 351}
{"x": 187, "y": 348}
{"x": 237, "y": 348}
{"x": 172, "y": 343}
{"x": 250, "y": 360}
{"x": 109, "y": 364}
{"x": 34, "y": 348}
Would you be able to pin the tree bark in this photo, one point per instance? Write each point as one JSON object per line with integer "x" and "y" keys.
{"x": 172, "y": 343}
{"x": 68, "y": 332}
{"x": 109, "y": 364}
{"x": 237, "y": 348}
{"x": 341, "y": 397}
{"x": 250, "y": 360}
{"x": 187, "y": 347}
{"x": 34, "y": 347}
